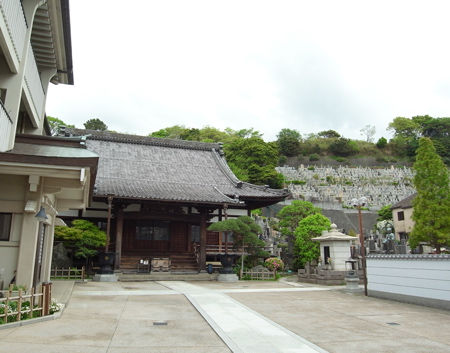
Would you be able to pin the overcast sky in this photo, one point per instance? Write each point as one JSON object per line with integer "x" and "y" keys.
{"x": 307, "y": 65}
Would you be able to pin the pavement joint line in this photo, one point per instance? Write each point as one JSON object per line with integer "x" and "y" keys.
{"x": 190, "y": 291}
{"x": 117, "y": 324}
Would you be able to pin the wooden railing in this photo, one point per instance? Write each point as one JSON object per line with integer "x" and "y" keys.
{"x": 14, "y": 17}
{"x": 68, "y": 273}
{"x": 223, "y": 248}
{"x": 259, "y": 275}
{"x": 19, "y": 304}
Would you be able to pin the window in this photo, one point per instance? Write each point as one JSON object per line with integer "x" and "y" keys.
{"x": 5, "y": 226}
{"x": 195, "y": 233}
{"x": 400, "y": 216}
{"x": 152, "y": 231}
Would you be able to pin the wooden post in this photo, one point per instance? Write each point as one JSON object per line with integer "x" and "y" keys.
{"x": 46, "y": 298}
{"x": 119, "y": 233}
{"x": 203, "y": 239}
{"x": 19, "y": 306}
{"x": 108, "y": 223}
{"x": 32, "y": 301}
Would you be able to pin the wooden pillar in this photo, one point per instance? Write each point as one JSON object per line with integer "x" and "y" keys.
{"x": 203, "y": 240}
{"x": 108, "y": 223}
{"x": 119, "y": 233}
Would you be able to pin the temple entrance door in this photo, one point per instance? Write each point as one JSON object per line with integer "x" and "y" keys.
{"x": 178, "y": 237}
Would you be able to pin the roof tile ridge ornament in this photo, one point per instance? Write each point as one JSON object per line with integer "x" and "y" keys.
{"x": 143, "y": 140}
{"x": 232, "y": 200}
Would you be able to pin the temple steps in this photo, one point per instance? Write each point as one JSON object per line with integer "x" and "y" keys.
{"x": 185, "y": 262}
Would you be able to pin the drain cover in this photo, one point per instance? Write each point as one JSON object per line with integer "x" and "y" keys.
{"x": 393, "y": 323}
{"x": 159, "y": 323}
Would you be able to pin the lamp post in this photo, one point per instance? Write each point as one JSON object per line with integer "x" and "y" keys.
{"x": 358, "y": 203}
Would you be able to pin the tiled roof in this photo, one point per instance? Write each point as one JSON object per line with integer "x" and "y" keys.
{"x": 149, "y": 168}
{"x": 405, "y": 203}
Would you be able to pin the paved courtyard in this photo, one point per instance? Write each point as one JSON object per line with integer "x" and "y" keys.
{"x": 247, "y": 316}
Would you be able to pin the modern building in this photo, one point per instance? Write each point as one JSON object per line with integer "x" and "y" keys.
{"x": 39, "y": 175}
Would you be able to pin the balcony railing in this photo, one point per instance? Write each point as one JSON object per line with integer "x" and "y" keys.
{"x": 5, "y": 128}
{"x": 12, "y": 12}
{"x": 34, "y": 84}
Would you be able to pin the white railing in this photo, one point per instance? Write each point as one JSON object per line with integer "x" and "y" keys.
{"x": 34, "y": 84}
{"x": 6, "y": 125}
{"x": 12, "y": 12}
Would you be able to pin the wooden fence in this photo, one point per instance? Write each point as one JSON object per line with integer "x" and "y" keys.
{"x": 259, "y": 275}
{"x": 68, "y": 273}
{"x": 19, "y": 305}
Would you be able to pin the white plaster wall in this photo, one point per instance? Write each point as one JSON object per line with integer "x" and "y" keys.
{"x": 9, "y": 251}
{"x": 339, "y": 253}
{"x": 405, "y": 226}
{"x": 409, "y": 276}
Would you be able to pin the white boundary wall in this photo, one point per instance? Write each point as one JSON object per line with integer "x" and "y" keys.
{"x": 418, "y": 279}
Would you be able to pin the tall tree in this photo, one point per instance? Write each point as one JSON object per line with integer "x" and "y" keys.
{"x": 431, "y": 206}
{"x": 290, "y": 217}
{"x": 254, "y": 160}
{"x": 368, "y": 131}
{"x": 95, "y": 124}
{"x": 289, "y": 142}
{"x": 308, "y": 228}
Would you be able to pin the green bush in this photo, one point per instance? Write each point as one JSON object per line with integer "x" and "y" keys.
{"x": 314, "y": 157}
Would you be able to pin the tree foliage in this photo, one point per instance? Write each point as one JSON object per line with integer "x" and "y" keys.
{"x": 291, "y": 215}
{"x": 385, "y": 213}
{"x": 329, "y": 134}
{"x": 95, "y": 124}
{"x": 381, "y": 143}
{"x": 254, "y": 161}
{"x": 289, "y": 218}
{"x": 431, "y": 206}
{"x": 343, "y": 147}
{"x": 245, "y": 233}
{"x": 289, "y": 142}
{"x": 83, "y": 237}
{"x": 56, "y": 124}
{"x": 308, "y": 228}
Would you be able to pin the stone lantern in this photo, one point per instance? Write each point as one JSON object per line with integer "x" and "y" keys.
{"x": 334, "y": 248}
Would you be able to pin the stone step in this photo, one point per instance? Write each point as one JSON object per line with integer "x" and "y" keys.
{"x": 167, "y": 276}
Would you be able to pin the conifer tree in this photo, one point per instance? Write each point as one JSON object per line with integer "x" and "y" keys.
{"x": 431, "y": 206}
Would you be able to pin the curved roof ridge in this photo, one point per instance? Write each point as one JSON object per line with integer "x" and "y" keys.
{"x": 142, "y": 140}
{"x": 223, "y": 165}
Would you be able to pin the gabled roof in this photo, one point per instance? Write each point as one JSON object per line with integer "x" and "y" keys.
{"x": 406, "y": 202}
{"x": 148, "y": 168}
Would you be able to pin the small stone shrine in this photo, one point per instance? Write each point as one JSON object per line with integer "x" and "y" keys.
{"x": 334, "y": 248}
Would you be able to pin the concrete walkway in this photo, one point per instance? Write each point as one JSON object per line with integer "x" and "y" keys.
{"x": 243, "y": 330}
{"x": 214, "y": 317}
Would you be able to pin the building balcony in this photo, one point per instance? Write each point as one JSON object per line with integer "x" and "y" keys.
{"x": 34, "y": 92}
{"x": 13, "y": 30}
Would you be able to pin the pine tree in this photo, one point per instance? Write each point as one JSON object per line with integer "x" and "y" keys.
{"x": 431, "y": 206}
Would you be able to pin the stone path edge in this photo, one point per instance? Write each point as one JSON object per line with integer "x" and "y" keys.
{"x": 289, "y": 332}
{"x": 223, "y": 336}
